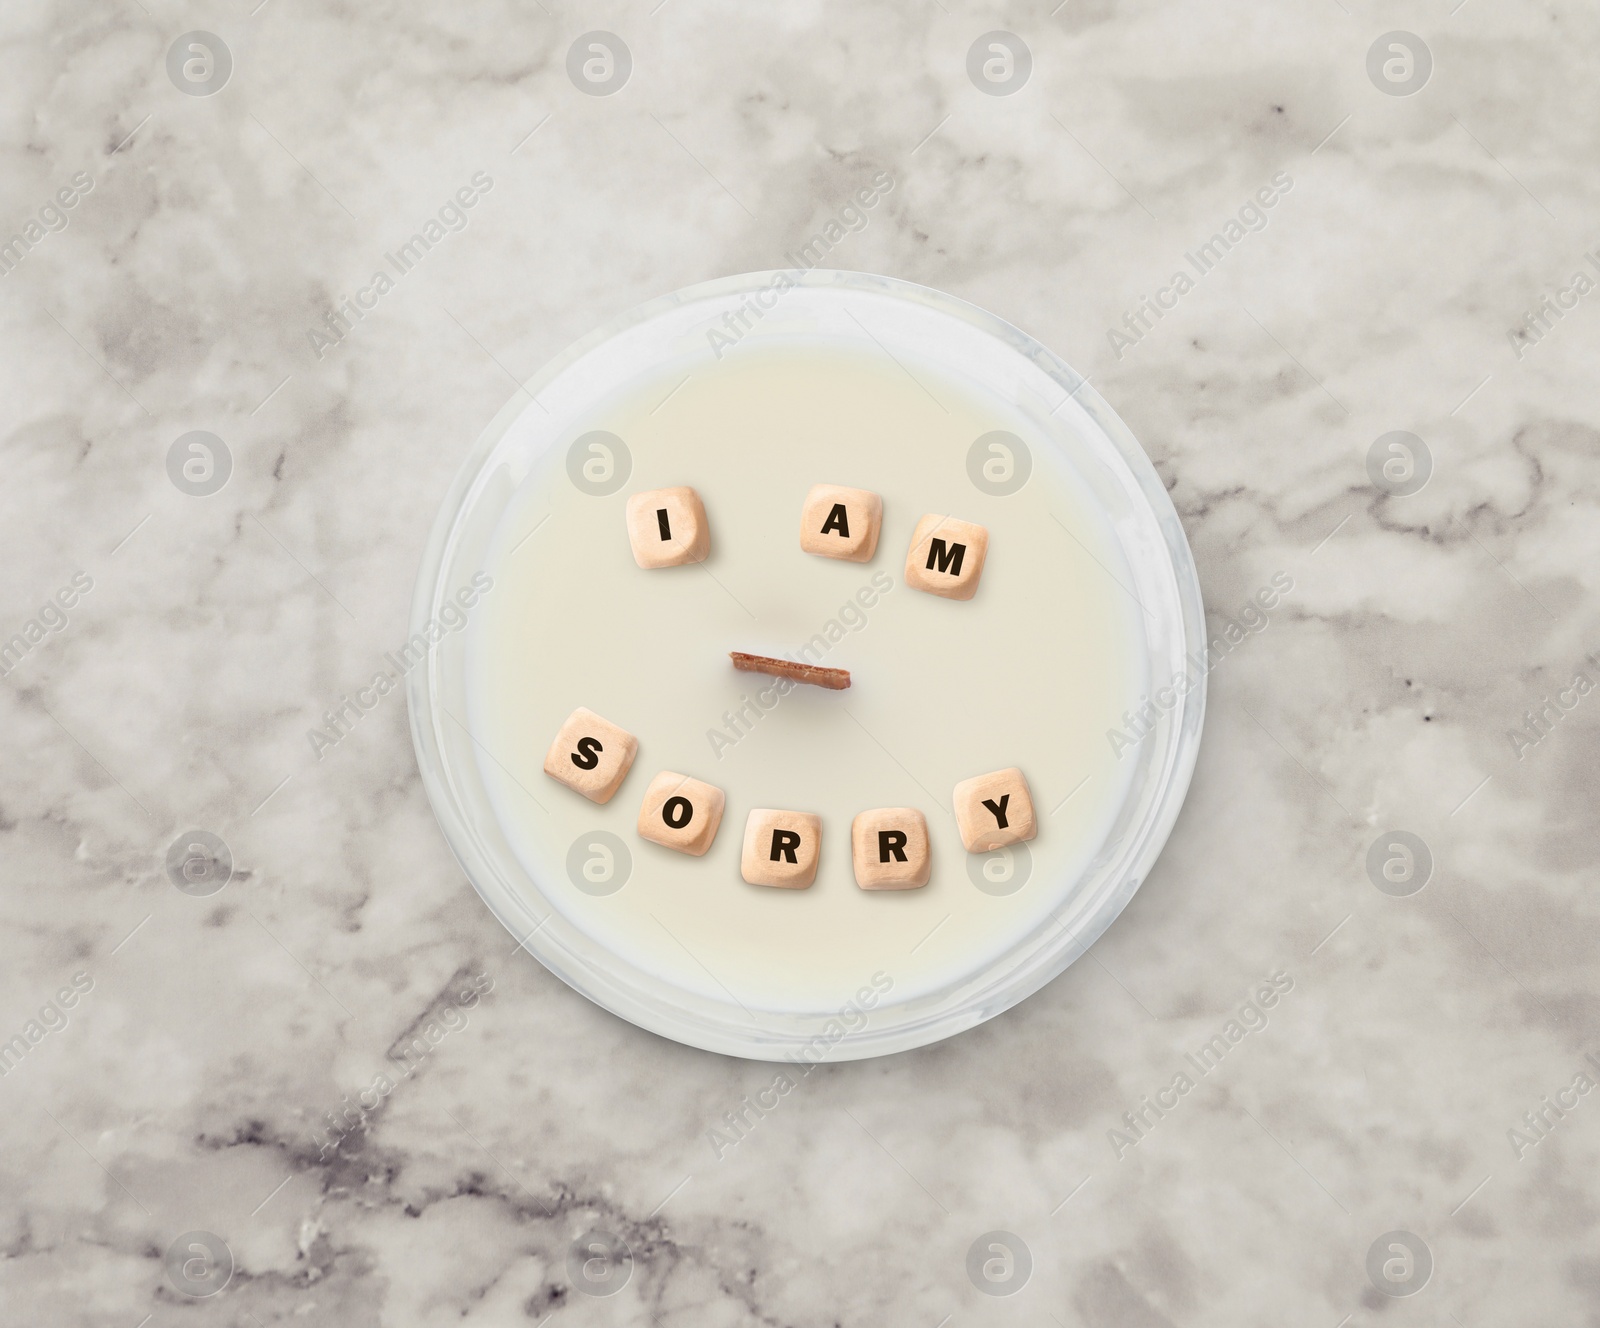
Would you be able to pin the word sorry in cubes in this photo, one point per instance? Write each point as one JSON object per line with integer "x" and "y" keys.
{"x": 889, "y": 846}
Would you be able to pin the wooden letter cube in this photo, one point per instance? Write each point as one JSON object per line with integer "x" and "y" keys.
{"x": 667, "y": 527}
{"x": 946, "y": 557}
{"x": 591, "y": 755}
{"x": 681, "y": 813}
{"x": 781, "y": 849}
{"x": 889, "y": 848}
{"x": 995, "y": 810}
{"x": 841, "y": 523}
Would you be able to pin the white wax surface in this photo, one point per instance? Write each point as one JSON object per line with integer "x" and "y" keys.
{"x": 1032, "y": 672}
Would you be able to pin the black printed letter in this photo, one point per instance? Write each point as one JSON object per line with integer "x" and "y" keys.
{"x": 666, "y": 529}
{"x": 837, "y": 520}
{"x": 585, "y": 758}
{"x": 891, "y": 844}
{"x": 784, "y": 843}
{"x": 948, "y": 559}
{"x": 998, "y": 808}
{"x": 677, "y": 812}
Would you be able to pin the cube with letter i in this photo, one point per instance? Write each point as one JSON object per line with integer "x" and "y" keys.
{"x": 667, "y": 528}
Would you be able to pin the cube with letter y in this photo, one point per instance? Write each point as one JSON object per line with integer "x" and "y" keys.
{"x": 591, "y": 755}
{"x": 946, "y": 557}
{"x": 994, "y": 810}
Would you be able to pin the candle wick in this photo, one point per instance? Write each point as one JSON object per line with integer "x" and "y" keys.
{"x": 834, "y": 679}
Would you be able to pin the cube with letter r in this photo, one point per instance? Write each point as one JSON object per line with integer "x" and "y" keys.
{"x": 781, "y": 848}
{"x": 889, "y": 849}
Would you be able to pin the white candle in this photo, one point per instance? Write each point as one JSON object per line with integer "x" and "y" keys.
{"x": 1031, "y": 672}
{"x": 1034, "y": 672}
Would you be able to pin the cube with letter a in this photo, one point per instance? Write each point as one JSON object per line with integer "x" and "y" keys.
{"x": 841, "y": 523}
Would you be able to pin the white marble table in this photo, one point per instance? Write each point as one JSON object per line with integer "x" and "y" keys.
{"x": 188, "y": 1081}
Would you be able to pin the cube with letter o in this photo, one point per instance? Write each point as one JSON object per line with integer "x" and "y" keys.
{"x": 681, "y": 813}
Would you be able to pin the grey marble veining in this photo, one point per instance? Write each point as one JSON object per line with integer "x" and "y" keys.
{"x": 215, "y": 1062}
